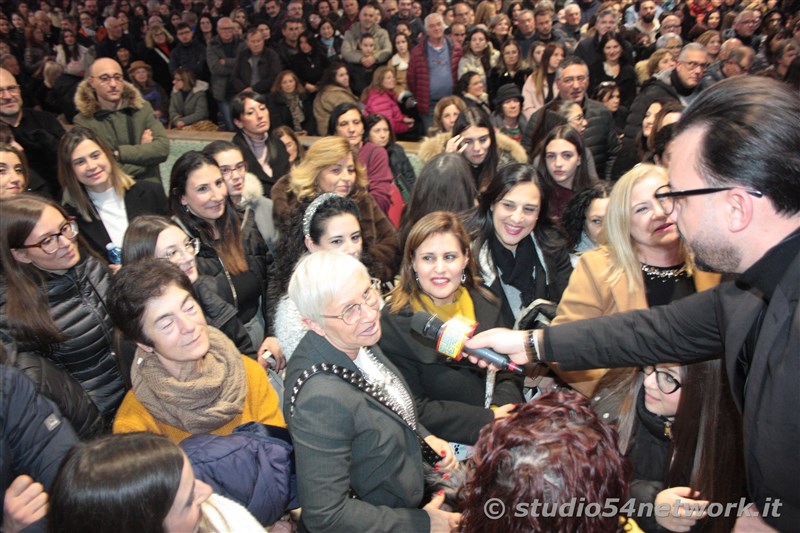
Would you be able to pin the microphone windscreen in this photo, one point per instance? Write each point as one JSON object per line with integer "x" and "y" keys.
{"x": 426, "y": 324}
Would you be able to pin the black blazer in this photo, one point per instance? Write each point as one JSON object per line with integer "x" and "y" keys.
{"x": 278, "y": 160}
{"x": 144, "y": 198}
{"x": 449, "y": 394}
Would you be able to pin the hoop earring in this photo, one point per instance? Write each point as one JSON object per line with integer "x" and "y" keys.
{"x": 463, "y": 276}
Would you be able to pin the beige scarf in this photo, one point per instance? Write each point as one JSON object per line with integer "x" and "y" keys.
{"x": 207, "y": 399}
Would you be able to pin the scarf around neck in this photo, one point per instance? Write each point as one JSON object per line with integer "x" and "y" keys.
{"x": 209, "y": 398}
{"x": 518, "y": 269}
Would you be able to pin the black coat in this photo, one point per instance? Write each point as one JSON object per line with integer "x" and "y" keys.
{"x": 449, "y": 394}
{"x": 278, "y": 160}
{"x": 39, "y": 133}
{"x": 76, "y": 304}
{"x": 143, "y": 198}
{"x": 268, "y": 66}
{"x": 309, "y": 67}
{"x": 281, "y": 115}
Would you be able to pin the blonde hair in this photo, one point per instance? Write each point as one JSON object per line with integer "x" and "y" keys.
{"x": 326, "y": 152}
{"x": 485, "y": 11}
{"x": 150, "y": 42}
{"x": 618, "y": 244}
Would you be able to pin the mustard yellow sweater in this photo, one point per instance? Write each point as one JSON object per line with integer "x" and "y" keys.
{"x": 260, "y": 405}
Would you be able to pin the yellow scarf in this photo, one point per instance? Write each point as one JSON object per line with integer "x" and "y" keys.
{"x": 462, "y": 306}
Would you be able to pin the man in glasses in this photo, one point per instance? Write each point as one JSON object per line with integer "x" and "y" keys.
{"x": 38, "y": 132}
{"x": 733, "y": 193}
{"x": 115, "y": 110}
{"x": 681, "y": 84}
{"x": 744, "y": 28}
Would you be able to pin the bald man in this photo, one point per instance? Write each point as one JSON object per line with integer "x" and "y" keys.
{"x": 115, "y": 110}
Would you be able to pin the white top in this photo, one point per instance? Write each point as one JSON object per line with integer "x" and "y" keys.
{"x": 111, "y": 208}
{"x": 224, "y": 514}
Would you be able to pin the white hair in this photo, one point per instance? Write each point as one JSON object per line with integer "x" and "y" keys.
{"x": 319, "y": 278}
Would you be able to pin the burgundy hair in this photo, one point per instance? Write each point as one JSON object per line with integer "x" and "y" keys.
{"x": 551, "y": 451}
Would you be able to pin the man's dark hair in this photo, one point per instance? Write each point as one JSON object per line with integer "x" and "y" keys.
{"x": 751, "y": 137}
{"x": 182, "y": 26}
{"x": 288, "y": 21}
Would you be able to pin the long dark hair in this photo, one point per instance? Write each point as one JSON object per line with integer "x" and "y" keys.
{"x": 340, "y": 110}
{"x": 473, "y": 116}
{"x": 503, "y": 182}
{"x": 444, "y": 184}
{"x": 141, "y": 237}
{"x": 28, "y": 311}
{"x": 614, "y": 36}
{"x": 583, "y": 179}
{"x": 329, "y": 75}
{"x": 230, "y": 245}
{"x": 126, "y": 483}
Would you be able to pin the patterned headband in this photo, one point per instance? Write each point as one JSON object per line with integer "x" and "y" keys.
{"x": 311, "y": 210}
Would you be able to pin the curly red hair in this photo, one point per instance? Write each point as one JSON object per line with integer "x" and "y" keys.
{"x": 551, "y": 451}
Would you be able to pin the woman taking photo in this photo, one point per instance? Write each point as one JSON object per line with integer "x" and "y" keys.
{"x": 99, "y": 194}
{"x": 231, "y": 250}
{"x": 346, "y": 441}
{"x": 53, "y": 297}
{"x": 334, "y": 89}
{"x": 329, "y": 166}
{"x": 643, "y": 263}
{"x": 562, "y": 169}
{"x": 347, "y": 121}
{"x": 188, "y": 378}
{"x": 265, "y": 154}
{"x": 540, "y": 87}
{"x": 438, "y": 276}
{"x": 519, "y": 253}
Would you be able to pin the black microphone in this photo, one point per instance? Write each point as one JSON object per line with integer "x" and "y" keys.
{"x": 451, "y": 335}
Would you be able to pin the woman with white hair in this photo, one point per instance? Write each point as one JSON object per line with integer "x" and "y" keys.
{"x": 358, "y": 446}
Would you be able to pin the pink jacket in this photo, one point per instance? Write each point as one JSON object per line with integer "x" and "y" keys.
{"x": 385, "y": 103}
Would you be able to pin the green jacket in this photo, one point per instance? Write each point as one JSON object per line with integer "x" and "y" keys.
{"x": 122, "y": 129}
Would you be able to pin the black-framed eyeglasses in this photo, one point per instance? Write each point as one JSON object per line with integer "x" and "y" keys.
{"x": 352, "y": 313}
{"x": 666, "y": 382}
{"x": 49, "y": 245}
{"x": 666, "y": 196}
{"x": 175, "y": 255}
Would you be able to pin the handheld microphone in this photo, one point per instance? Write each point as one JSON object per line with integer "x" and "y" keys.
{"x": 450, "y": 337}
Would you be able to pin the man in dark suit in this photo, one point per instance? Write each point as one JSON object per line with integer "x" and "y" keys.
{"x": 733, "y": 194}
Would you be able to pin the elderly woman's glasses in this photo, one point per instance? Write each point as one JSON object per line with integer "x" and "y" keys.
{"x": 666, "y": 196}
{"x": 49, "y": 245}
{"x": 352, "y": 313}
{"x": 175, "y": 255}
{"x": 666, "y": 382}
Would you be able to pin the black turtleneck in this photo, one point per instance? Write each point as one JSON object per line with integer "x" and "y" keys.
{"x": 678, "y": 85}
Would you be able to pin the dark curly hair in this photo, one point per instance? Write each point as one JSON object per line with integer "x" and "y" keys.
{"x": 574, "y": 215}
{"x": 552, "y": 450}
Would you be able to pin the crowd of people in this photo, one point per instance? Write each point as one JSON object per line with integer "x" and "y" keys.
{"x": 622, "y": 175}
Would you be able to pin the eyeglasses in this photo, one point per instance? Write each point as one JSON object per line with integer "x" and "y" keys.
{"x": 49, "y": 245}
{"x": 666, "y": 197}
{"x": 240, "y": 167}
{"x": 13, "y": 89}
{"x": 175, "y": 255}
{"x": 352, "y": 313}
{"x": 105, "y": 79}
{"x": 694, "y": 65}
{"x": 666, "y": 382}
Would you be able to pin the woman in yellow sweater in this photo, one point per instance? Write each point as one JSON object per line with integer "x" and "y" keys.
{"x": 187, "y": 377}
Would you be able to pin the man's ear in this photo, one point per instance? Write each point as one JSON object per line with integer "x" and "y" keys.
{"x": 21, "y": 255}
{"x": 739, "y": 210}
{"x": 313, "y": 326}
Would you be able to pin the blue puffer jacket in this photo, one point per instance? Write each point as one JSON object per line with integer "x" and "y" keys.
{"x": 253, "y": 466}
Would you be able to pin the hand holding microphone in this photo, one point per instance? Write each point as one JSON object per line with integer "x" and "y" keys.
{"x": 450, "y": 337}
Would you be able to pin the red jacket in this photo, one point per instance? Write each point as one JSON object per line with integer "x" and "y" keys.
{"x": 419, "y": 81}
{"x": 385, "y": 103}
